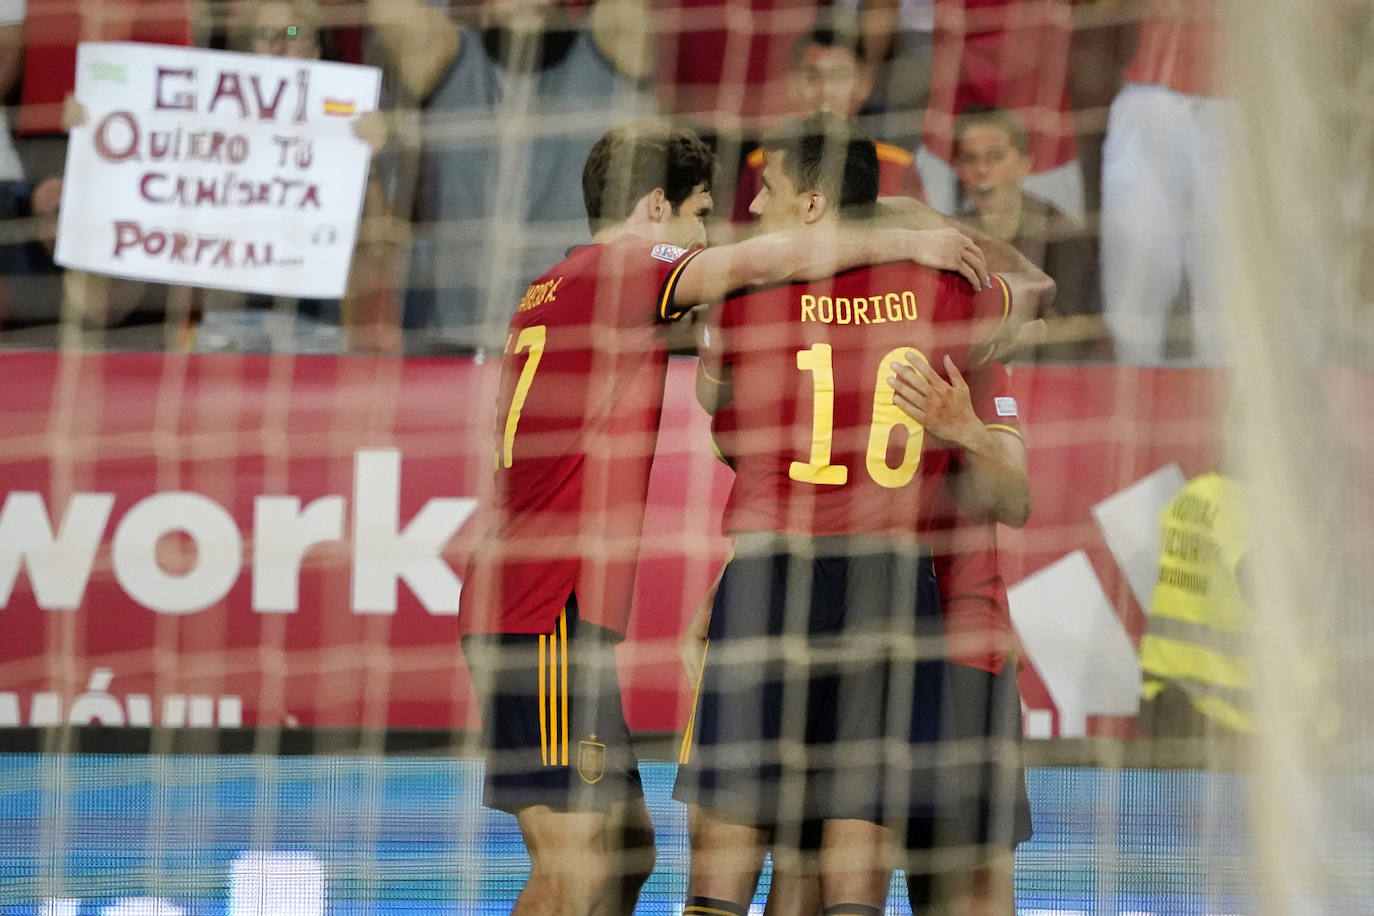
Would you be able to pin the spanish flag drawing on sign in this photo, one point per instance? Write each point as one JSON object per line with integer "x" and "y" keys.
{"x": 339, "y": 107}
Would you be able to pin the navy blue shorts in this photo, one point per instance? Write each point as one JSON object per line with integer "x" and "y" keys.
{"x": 982, "y": 810}
{"x": 823, "y": 669}
{"x": 553, "y": 725}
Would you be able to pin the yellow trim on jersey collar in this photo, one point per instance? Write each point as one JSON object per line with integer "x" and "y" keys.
{"x": 893, "y": 153}
{"x": 886, "y": 151}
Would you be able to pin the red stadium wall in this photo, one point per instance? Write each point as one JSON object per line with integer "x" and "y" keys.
{"x": 112, "y": 613}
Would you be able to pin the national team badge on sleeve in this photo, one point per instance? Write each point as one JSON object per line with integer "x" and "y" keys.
{"x": 669, "y": 253}
{"x": 1006, "y": 407}
{"x": 591, "y": 759}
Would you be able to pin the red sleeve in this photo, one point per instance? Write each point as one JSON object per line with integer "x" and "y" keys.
{"x": 991, "y": 307}
{"x": 668, "y": 308}
{"x": 989, "y": 386}
{"x": 973, "y": 598}
{"x": 658, "y": 267}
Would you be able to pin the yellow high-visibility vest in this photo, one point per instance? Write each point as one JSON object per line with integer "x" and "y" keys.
{"x": 1199, "y": 624}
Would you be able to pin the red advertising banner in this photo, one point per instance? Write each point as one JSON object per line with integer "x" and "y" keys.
{"x": 273, "y": 540}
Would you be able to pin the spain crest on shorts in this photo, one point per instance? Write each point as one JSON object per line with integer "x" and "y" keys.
{"x": 591, "y": 759}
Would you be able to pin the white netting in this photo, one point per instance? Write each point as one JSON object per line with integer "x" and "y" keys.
{"x": 232, "y": 531}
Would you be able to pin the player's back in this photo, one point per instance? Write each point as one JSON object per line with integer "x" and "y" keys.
{"x": 582, "y": 379}
{"x": 821, "y": 447}
{"x": 576, "y": 422}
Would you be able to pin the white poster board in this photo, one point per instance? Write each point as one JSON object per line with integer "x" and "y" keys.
{"x": 216, "y": 169}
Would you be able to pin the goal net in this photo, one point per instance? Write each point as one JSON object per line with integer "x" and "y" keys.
{"x": 244, "y": 471}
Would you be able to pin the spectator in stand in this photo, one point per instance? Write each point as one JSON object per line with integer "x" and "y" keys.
{"x": 55, "y": 27}
{"x": 29, "y": 277}
{"x": 897, "y": 40}
{"x": 724, "y": 64}
{"x": 30, "y": 283}
{"x": 514, "y": 115}
{"x": 1161, "y": 166}
{"x": 51, "y": 31}
{"x": 368, "y": 312}
{"x": 830, "y": 73}
{"x": 992, "y": 159}
{"x": 11, "y": 66}
{"x": 1012, "y": 54}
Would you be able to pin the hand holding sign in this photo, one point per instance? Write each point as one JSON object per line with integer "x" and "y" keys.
{"x": 215, "y": 169}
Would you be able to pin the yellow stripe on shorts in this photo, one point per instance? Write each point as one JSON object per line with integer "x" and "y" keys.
{"x": 563, "y": 642}
{"x": 543, "y": 725}
{"x": 684, "y": 753}
{"x": 553, "y": 694}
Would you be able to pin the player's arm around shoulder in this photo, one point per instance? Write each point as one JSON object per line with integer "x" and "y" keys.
{"x": 1032, "y": 289}
{"x": 801, "y": 255}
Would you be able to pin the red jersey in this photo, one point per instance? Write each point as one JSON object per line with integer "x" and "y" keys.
{"x": 897, "y": 177}
{"x": 1012, "y": 54}
{"x": 973, "y": 597}
{"x": 1176, "y": 49}
{"x": 819, "y": 446}
{"x": 577, "y": 421}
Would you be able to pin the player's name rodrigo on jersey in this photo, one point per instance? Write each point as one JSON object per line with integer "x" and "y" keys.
{"x": 880, "y": 309}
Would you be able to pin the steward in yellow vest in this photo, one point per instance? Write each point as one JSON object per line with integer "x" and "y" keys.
{"x": 1194, "y": 659}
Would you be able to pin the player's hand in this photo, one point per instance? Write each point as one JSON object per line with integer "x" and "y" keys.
{"x": 950, "y": 249}
{"x": 692, "y": 648}
{"x": 945, "y": 409}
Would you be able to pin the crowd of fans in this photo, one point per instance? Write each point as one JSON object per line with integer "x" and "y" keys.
{"x": 1087, "y": 137}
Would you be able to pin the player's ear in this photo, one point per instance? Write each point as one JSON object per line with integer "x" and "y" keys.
{"x": 657, "y": 204}
{"x": 816, "y": 206}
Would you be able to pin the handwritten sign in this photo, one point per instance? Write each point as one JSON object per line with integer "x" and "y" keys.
{"x": 217, "y": 169}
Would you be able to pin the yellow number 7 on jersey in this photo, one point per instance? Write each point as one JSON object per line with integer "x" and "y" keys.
{"x": 886, "y": 415}
{"x": 531, "y": 339}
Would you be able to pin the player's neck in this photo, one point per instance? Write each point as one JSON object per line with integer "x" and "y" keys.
{"x": 629, "y": 227}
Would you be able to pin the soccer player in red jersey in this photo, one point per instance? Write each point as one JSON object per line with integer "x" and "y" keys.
{"x": 983, "y": 808}
{"x": 825, "y": 641}
{"x": 547, "y": 590}
{"x": 982, "y": 811}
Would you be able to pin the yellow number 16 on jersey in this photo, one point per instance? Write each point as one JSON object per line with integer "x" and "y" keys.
{"x": 816, "y": 359}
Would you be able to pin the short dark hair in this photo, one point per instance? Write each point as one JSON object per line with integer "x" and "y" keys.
{"x": 1006, "y": 121}
{"x": 633, "y": 159}
{"x": 834, "y": 27}
{"x": 826, "y": 152}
